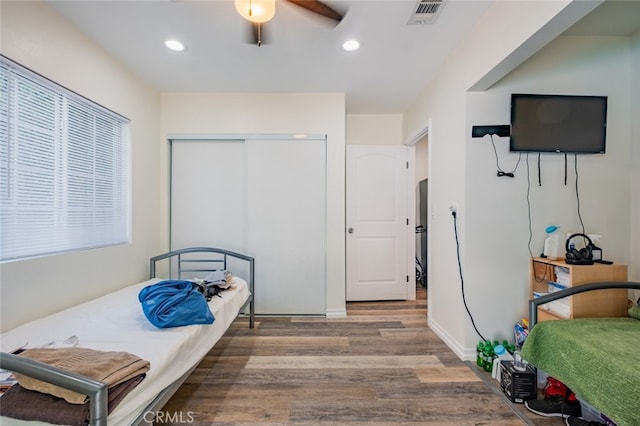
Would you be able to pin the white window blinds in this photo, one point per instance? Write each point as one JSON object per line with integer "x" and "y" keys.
{"x": 64, "y": 169}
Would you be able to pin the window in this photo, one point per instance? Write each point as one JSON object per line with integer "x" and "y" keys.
{"x": 64, "y": 169}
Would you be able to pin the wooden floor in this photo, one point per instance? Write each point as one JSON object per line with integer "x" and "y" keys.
{"x": 381, "y": 365}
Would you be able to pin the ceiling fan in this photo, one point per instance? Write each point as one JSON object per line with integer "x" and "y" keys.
{"x": 257, "y": 12}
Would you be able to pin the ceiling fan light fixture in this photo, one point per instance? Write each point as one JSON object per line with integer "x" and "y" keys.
{"x": 256, "y": 11}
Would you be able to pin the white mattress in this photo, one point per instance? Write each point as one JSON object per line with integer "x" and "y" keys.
{"x": 115, "y": 322}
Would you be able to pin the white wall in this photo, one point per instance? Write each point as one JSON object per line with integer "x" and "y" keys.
{"x": 634, "y": 267}
{"x": 242, "y": 114}
{"x": 374, "y": 129}
{"x": 524, "y": 28}
{"x": 497, "y": 216}
{"x": 39, "y": 39}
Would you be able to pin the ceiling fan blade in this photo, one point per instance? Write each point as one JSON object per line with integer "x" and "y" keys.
{"x": 319, "y": 8}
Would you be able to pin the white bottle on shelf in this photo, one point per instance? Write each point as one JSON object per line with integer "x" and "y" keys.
{"x": 553, "y": 243}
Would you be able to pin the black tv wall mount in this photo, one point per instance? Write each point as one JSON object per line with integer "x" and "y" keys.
{"x": 498, "y": 130}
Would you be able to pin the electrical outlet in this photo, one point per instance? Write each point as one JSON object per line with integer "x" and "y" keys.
{"x": 453, "y": 208}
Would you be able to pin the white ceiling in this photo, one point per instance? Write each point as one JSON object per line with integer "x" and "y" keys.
{"x": 612, "y": 18}
{"x": 303, "y": 53}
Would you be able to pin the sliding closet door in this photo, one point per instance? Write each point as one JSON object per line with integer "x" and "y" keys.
{"x": 209, "y": 194}
{"x": 265, "y": 198}
{"x": 286, "y": 227}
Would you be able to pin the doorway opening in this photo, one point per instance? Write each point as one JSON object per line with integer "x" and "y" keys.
{"x": 422, "y": 209}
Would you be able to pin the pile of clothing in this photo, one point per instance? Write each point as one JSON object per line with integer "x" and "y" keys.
{"x": 215, "y": 283}
{"x": 32, "y": 399}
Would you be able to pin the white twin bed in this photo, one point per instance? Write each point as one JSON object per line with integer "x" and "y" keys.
{"x": 116, "y": 322}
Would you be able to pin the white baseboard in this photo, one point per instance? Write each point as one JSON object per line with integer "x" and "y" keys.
{"x": 336, "y": 313}
{"x": 465, "y": 354}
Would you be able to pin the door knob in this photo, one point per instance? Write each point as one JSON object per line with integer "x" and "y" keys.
{"x": 350, "y": 230}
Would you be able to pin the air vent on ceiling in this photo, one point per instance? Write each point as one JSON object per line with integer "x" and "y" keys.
{"x": 426, "y": 12}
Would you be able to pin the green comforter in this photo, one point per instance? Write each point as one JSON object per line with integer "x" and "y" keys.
{"x": 598, "y": 359}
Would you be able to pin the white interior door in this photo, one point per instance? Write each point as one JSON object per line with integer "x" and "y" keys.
{"x": 377, "y": 223}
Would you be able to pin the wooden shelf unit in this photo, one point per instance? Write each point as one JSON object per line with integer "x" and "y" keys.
{"x": 593, "y": 304}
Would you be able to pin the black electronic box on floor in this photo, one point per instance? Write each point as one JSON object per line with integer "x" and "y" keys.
{"x": 518, "y": 386}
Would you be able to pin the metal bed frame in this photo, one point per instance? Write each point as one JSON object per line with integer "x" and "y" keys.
{"x": 220, "y": 263}
{"x": 534, "y": 303}
{"x": 98, "y": 391}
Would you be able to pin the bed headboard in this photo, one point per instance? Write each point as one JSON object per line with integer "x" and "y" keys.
{"x": 193, "y": 262}
{"x": 199, "y": 259}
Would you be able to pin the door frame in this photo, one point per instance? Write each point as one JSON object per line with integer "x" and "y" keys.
{"x": 411, "y": 141}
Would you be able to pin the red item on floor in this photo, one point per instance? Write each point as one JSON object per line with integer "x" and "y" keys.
{"x": 555, "y": 388}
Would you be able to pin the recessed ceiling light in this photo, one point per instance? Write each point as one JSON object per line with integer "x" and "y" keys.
{"x": 174, "y": 45}
{"x": 351, "y": 45}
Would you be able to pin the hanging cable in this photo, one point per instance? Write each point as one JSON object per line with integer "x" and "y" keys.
{"x": 501, "y": 172}
{"x": 577, "y": 192}
{"x": 565, "y": 169}
{"x": 531, "y": 256}
{"x": 529, "y": 202}
{"x": 464, "y": 301}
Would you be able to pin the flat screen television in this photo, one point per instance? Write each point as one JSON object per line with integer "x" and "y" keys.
{"x": 558, "y": 123}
